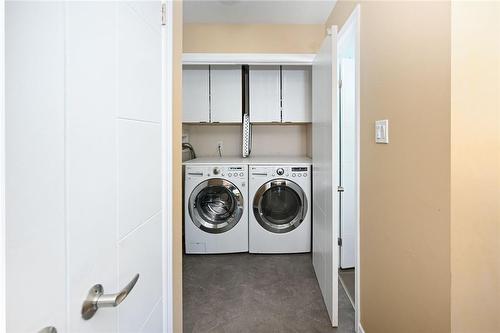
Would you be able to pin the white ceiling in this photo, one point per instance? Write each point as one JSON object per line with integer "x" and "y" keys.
{"x": 258, "y": 11}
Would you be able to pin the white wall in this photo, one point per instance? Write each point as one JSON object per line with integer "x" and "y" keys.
{"x": 268, "y": 140}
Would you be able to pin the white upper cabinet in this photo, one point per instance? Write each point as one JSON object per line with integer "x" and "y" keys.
{"x": 296, "y": 93}
{"x": 213, "y": 94}
{"x": 264, "y": 86}
{"x": 195, "y": 94}
{"x": 226, "y": 94}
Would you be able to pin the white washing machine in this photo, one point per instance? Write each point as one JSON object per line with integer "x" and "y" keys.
{"x": 216, "y": 208}
{"x": 280, "y": 213}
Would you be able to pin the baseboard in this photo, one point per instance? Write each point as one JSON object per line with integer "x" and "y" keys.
{"x": 360, "y": 329}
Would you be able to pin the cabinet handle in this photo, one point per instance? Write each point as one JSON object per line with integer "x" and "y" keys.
{"x": 96, "y": 298}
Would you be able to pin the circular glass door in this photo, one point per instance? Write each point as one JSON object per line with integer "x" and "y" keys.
{"x": 215, "y": 205}
{"x": 280, "y": 205}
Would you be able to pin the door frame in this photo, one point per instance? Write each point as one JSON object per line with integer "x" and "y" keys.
{"x": 354, "y": 22}
{"x": 3, "y": 309}
{"x": 167, "y": 148}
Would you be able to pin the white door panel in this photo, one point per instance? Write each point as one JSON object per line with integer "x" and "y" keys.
{"x": 225, "y": 94}
{"x": 296, "y": 92}
{"x": 139, "y": 163}
{"x": 325, "y": 157}
{"x": 348, "y": 158}
{"x": 154, "y": 323}
{"x": 35, "y": 234}
{"x": 138, "y": 58}
{"x": 148, "y": 11}
{"x": 139, "y": 174}
{"x": 91, "y": 182}
{"x": 264, "y": 87}
{"x": 83, "y": 164}
{"x": 195, "y": 94}
{"x": 141, "y": 253}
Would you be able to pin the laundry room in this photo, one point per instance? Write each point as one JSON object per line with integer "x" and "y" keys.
{"x": 258, "y": 147}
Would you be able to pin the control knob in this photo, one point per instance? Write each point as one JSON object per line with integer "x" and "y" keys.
{"x": 280, "y": 172}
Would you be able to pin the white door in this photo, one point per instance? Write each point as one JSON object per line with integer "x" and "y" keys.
{"x": 265, "y": 94}
{"x": 83, "y": 164}
{"x": 347, "y": 172}
{"x": 226, "y": 102}
{"x": 325, "y": 157}
{"x": 296, "y": 94}
{"x": 195, "y": 94}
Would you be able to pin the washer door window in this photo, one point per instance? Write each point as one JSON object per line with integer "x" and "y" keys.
{"x": 280, "y": 205}
{"x": 216, "y": 205}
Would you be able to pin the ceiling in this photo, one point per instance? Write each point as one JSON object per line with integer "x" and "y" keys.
{"x": 257, "y": 11}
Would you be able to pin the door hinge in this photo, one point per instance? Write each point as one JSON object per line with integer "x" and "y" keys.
{"x": 340, "y": 189}
{"x": 339, "y": 241}
{"x": 163, "y": 14}
{"x": 340, "y": 84}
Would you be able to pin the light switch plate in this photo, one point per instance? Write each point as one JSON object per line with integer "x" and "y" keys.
{"x": 382, "y": 131}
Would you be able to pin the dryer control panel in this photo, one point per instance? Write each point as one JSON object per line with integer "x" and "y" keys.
{"x": 280, "y": 171}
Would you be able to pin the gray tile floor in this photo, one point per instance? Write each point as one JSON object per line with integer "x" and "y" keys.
{"x": 257, "y": 293}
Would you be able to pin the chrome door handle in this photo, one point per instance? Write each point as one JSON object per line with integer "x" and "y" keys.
{"x": 278, "y": 183}
{"x": 96, "y": 298}
{"x": 48, "y": 329}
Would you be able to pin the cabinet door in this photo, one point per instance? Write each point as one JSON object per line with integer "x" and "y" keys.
{"x": 225, "y": 94}
{"x": 264, "y": 82}
{"x": 296, "y": 93}
{"x": 195, "y": 94}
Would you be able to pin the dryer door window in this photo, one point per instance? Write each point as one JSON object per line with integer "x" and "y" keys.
{"x": 280, "y": 206}
{"x": 216, "y": 205}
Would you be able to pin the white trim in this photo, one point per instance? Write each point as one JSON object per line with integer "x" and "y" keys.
{"x": 247, "y": 58}
{"x": 3, "y": 308}
{"x": 354, "y": 22}
{"x": 167, "y": 167}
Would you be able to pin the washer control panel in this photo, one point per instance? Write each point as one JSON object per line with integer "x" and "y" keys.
{"x": 285, "y": 171}
{"x": 233, "y": 172}
{"x": 228, "y": 172}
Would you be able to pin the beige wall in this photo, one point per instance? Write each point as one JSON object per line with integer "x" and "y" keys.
{"x": 252, "y": 38}
{"x": 475, "y": 168}
{"x": 405, "y": 185}
{"x": 177, "y": 165}
{"x": 268, "y": 140}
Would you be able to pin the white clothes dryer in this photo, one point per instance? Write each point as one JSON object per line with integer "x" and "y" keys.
{"x": 280, "y": 213}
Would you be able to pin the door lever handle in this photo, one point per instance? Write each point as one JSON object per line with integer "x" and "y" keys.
{"x": 96, "y": 298}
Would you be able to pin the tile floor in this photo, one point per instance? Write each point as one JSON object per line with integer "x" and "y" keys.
{"x": 347, "y": 277}
{"x": 257, "y": 293}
